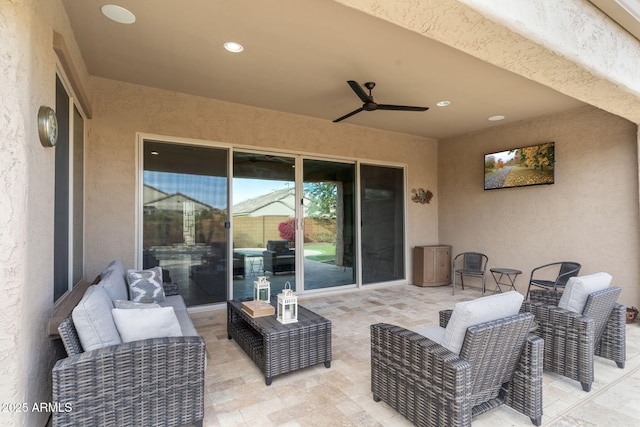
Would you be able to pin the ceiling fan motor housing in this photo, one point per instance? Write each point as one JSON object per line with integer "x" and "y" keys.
{"x": 368, "y": 104}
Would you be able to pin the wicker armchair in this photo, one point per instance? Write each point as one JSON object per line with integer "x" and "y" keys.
{"x": 152, "y": 382}
{"x": 500, "y": 362}
{"x": 573, "y": 339}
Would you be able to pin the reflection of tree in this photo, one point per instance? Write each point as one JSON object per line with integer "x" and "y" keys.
{"x": 287, "y": 229}
{"x": 538, "y": 156}
{"x": 323, "y": 199}
{"x": 489, "y": 163}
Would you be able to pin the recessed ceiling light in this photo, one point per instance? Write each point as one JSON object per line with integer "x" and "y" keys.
{"x": 233, "y": 47}
{"x": 496, "y": 118}
{"x": 154, "y": 153}
{"x": 118, "y": 14}
{"x": 443, "y": 103}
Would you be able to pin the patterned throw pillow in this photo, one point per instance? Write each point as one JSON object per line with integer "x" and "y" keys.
{"x": 146, "y": 285}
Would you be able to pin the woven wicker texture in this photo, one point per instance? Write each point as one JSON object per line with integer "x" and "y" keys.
{"x": 500, "y": 362}
{"x": 154, "y": 382}
{"x": 572, "y": 339}
{"x": 278, "y": 348}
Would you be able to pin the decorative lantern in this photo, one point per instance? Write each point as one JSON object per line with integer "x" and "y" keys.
{"x": 262, "y": 289}
{"x": 287, "y": 305}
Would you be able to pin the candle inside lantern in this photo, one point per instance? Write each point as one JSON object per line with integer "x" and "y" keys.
{"x": 287, "y": 314}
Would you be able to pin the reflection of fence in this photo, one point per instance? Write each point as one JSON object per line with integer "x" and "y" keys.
{"x": 254, "y": 232}
{"x": 167, "y": 227}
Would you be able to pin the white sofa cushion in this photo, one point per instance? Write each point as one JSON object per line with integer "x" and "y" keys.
{"x": 478, "y": 311}
{"x": 93, "y": 321}
{"x": 578, "y": 289}
{"x": 434, "y": 333}
{"x": 146, "y": 285}
{"x": 182, "y": 314}
{"x": 126, "y": 304}
{"x": 113, "y": 281}
{"x": 136, "y": 324}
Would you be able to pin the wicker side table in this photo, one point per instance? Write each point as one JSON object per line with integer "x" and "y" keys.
{"x": 276, "y": 348}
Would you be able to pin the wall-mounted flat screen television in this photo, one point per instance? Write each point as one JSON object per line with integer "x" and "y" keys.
{"x": 520, "y": 167}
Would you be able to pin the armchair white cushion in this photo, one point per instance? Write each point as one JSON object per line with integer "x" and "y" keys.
{"x": 469, "y": 313}
{"x": 578, "y": 289}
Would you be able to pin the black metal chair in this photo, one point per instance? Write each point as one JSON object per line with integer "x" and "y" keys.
{"x": 471, "y": 264}
{"x": 567, "y": 270}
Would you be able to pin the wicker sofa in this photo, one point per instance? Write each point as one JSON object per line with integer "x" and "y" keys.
{"x": 149, "y": 382}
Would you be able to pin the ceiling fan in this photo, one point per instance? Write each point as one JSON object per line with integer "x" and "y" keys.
{"x": 370, "y": 104}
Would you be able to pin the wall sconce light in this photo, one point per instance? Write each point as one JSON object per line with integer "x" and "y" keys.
{"x": 47, "y": 126}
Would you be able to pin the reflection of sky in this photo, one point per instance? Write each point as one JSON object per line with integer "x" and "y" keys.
{"x": 244, "y": 188}
{"x": 503, "y": 155}
{"x": 211, "y": 190}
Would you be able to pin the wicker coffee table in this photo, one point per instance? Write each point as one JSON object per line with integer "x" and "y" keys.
{"x": 277, "y": 348}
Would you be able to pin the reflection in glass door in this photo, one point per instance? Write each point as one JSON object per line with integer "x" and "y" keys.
{"x": 185, "y": 224}
{"x": 329, "y": 218}
{"x": 264, "y": 221}
{"x": 382, "y": 213}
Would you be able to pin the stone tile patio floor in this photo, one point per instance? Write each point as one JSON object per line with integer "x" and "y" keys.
{"x": 236, "y": 394}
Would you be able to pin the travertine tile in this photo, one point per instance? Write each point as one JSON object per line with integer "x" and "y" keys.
{"x": 341, "y": 395}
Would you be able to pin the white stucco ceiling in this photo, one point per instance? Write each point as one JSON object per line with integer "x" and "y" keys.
{"x": 298, "y": 57}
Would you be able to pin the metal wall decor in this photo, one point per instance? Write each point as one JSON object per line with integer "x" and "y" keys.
{"x": 420, "y": 195}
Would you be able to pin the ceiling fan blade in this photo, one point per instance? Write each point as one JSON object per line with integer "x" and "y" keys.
{"x": 401, "y": 107}
{"x": 359, "y": 91}
{"x": 346, "y": 116}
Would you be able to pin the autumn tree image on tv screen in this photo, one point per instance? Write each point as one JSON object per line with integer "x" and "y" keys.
{"x": 520, "y": 167}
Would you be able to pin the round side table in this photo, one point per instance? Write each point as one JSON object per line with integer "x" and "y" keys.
{"x": 499, "y": 275}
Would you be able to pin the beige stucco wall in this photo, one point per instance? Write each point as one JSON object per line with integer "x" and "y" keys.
{"x": 121, "y": 110}
{"x": 27, "y": 81}
{"x": 589, "y": 215}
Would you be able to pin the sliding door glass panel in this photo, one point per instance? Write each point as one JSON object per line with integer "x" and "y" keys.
{"x": 382, "y": 200}
{"x": 185, "y": 223}
{"x": 61, "y": 213}
{"x": 329, "y": 218}
{"x": 264, "y": 222}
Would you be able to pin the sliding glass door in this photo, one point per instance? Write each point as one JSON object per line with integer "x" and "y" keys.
{"x": 382, "y": 213}
{"x": 329, "y": 224}
{"x": 294, "y": 220}
{"x": 185, "y": 224}
{"x": 264, "y": 221}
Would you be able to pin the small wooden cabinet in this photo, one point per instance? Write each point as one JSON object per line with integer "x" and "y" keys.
{"x": 432, "y": 265}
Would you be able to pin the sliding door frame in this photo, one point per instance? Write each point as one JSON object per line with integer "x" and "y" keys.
{"x": 299, "y": 157}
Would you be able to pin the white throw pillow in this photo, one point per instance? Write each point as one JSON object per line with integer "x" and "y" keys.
{"x": 146, "y": 285}
{"x": 136, "y": 324}
{"x": 578, "y": 289}
{"x": 93, "y": 321}
{"x": 478, "y": 311}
